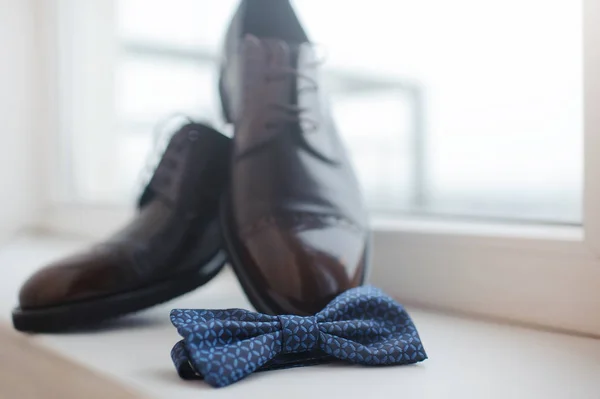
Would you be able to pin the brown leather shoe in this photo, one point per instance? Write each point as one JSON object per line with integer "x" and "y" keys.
{"x": 295, "y": 224}
{"x": 172, "y": 246}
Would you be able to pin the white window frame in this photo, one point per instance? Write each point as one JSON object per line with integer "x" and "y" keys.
{"x": 547, "y": 276}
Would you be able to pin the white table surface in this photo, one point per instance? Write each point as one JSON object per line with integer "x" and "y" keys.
{"x": 468, "y": 358}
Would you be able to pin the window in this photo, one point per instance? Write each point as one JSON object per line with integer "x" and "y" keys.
{"x": 465, "y": 120}
{"x": 472, "y": 110}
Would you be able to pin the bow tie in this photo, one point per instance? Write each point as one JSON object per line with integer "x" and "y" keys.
{"x": 362, "y": 326}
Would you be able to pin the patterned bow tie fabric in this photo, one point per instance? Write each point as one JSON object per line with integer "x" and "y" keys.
{"x": 361, "y": 326}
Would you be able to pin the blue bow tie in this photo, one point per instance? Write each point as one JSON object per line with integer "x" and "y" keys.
{"x": 362, "y": 326}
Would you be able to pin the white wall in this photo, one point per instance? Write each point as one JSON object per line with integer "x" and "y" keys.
{"x": 19, "y": 81}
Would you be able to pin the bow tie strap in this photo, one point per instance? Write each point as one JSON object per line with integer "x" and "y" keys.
{"x": 185, "y": 369}
{"x": 299, "y": 334}
{"x": 362, "y": 326}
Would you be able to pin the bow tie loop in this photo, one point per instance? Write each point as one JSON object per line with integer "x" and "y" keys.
{"x": 299, "y": 334}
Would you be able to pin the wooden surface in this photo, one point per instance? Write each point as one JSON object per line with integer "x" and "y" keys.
{"x": 30, "y": 371}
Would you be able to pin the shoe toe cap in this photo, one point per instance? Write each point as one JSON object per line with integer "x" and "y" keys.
{"x": 86, "y": 275}
{"x": 299, "y": 271}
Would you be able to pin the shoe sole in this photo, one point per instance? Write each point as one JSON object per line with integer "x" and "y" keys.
{"x": 85, "y": 313}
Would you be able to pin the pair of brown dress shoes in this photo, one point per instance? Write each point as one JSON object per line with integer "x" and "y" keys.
{"x": 279, "y": 201}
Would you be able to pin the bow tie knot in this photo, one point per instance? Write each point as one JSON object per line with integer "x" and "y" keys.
{"x": 299, "y": 334}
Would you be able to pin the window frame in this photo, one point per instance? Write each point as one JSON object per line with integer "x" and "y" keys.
{"x": 541, "y": 275}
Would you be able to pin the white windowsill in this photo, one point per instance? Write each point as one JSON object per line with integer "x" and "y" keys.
{"x": 468, "y": 358}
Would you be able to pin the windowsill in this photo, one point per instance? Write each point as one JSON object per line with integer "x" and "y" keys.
{"x": 468, "y": 358}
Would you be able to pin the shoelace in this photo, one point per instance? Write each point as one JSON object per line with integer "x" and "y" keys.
{"x": 290, "y": 113}
{"x": 161, "y": 134}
